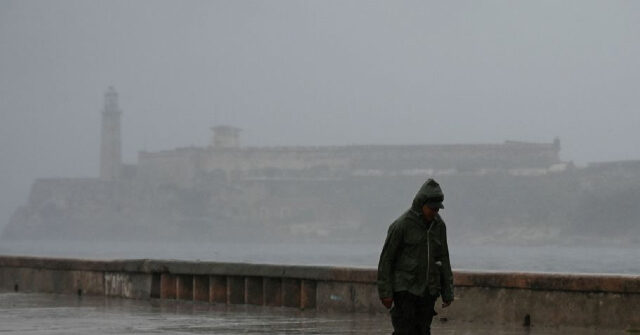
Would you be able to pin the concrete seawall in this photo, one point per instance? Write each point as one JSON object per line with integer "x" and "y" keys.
{"x": 574, "y": 300}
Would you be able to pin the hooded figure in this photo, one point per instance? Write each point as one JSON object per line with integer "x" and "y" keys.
{"x": 414, "y": 264}
{"x": 430, "y": 194}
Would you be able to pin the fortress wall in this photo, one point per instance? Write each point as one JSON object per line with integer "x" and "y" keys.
{"x": 71, "y": 208}
{"x": 267, "y": 158}
{"x": 533, "y": 299}
{"x": 176, "y": 166}
{"x": 182, "y": 165}
{"x": 359, "y": 206}
{"x": 70, "y": 192}
{"x": 501, "y": 156}
{"x": 52, "y": 201}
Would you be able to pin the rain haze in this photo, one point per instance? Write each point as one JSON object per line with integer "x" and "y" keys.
{"x": 320, "y": 74}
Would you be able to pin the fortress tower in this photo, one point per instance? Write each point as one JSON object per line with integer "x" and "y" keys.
{"x": 225, "y": 137}
{"x": 110, "y": 146}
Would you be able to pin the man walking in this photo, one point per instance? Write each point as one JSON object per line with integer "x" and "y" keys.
{"x": 414, "y": 267}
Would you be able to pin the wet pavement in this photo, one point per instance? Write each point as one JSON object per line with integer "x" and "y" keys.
{"x": 22, "y": 313}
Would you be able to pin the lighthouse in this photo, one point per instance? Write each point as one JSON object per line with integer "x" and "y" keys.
{"x": 110, "y": 144}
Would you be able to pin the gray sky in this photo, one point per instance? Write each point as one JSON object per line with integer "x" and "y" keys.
{"x": 312, "y": 72}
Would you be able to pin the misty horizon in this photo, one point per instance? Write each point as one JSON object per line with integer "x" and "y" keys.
{"x": 306, "y": 73}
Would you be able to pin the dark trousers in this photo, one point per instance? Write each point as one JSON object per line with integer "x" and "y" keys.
{"x": 411, "y": 314}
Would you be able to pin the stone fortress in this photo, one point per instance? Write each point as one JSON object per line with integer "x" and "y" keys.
{"x": 523, "y": 190}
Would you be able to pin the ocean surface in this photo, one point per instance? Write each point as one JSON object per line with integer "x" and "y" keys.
{"x": 562, "y": 259}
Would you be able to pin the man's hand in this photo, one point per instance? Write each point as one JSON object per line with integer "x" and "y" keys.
{"x": 387, "y": 302}
{"x": 446, "y": 304}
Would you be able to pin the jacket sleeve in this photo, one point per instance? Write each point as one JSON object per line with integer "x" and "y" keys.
{"x": 447, "y": 274}
{"x": 387, "y": 258}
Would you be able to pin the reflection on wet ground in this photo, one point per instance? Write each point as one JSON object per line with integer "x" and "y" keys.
{"x": 22, "y": 313}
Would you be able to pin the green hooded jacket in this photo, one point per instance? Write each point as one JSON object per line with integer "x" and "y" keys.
{"x": 415, "y": 256}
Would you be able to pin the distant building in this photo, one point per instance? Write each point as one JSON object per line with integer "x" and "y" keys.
{"x": 227, "y": 188}
{"x": 183, "y": 165}
{"x": 225, "y": 137}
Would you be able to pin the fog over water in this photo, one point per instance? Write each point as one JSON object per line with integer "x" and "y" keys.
{"x": 331, "y": 73}
{"x": 572, "y": 259}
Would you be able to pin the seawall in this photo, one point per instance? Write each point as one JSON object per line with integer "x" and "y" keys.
{"x": 536, "y": 299}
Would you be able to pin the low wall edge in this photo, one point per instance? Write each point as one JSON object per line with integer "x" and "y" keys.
{"x": 515, "y": 280}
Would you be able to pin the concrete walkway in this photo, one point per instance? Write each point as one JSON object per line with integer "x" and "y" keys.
{"x": 22, "y": 313}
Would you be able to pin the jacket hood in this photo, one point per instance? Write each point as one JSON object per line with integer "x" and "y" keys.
{"x": 430, "y": 191}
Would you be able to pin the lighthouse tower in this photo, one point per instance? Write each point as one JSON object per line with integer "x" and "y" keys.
{"x": 110, "y": 146}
